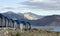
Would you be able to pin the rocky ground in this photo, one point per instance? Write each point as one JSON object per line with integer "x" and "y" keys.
{"x": 34, "y": 32}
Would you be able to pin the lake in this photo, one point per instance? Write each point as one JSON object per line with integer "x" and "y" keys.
{"x": 53, "y": 28}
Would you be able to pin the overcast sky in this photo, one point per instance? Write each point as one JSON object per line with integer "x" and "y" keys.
{"x": 40, "y": 7}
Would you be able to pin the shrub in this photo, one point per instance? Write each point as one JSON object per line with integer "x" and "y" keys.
{"x": 18, "y": 33}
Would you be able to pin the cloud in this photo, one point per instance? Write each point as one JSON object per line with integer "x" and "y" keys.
{"x": 10, "y": 9}
{"x": 43, "y": 4}
{"x": 14, "y": 9}
{"x": 45, "y": 1}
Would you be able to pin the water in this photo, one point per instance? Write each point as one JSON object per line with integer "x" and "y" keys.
{"x": 53, "y": 28}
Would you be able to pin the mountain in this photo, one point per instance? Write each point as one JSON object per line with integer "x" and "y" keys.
{"x": 14, "y": 16}
{"x": 53, "y": 20}
{"x": 32, "y": 16}
{"x": 21, "y": 16}
{"x": 37, "y": 20}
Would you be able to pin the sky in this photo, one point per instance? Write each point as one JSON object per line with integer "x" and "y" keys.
{"x": 39, "y": 7}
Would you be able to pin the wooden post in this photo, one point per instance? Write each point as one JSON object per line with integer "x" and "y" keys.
{"x": 2, "y": 21}
{"x": 5, "y": 22}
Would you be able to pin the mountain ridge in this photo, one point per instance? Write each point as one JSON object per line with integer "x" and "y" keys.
{"x": 51, "y": 20}
{"x": 11, "y": 14}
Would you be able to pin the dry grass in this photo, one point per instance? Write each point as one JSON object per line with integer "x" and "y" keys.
{"x": 35, "y": 32}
